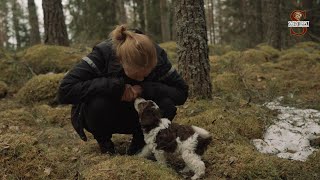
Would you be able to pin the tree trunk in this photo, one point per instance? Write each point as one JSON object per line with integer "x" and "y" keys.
{"x": 193, "y": 59}
{"x": 3, "y": 23}
{"x": 173, "y": 21}
{"x": 208, "y": 20}
{"x": 54, "y": 23}
{"x": 213, "y": 35}
{"x": 121, "y": 12}
{"x": 145, "y": 13}
{"x": 34, "y": 23}
{"x": 140, "y": 14}
{"x": 15, "y": 20}
{"x": 220, "y": 21}
{"x": 2, "y": 32}
{"x": 274, "y": 24}
{"x": 258, "y": 22}
{"x": 165, "y": 31}
{"x": 313, "y": 30}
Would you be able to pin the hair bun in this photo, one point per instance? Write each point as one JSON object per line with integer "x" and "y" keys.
{"x": 120, "y": 33}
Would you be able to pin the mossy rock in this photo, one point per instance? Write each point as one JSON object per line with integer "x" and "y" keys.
{"x": 124, "y": 167}
{"x": 14, "y": 73}
{"x": 219, "y": 49}
{"x": 226, "y": 62}
{"x": 254, "y": 56}
{"x": 40, "y": 89}
{"x": 3, "y": 89}
{"x": 271, "y": 52}
{"x": 48, "y": 58}
{"x": 294, "y": 58}
{"x": 171, "y": 49}
{"x": 5, "y": 54}
{"x": 308, "y": 45}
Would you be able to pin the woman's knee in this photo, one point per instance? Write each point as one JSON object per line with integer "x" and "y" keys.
{"x": 168, "y": 108}
{"x": 96, "y": 112}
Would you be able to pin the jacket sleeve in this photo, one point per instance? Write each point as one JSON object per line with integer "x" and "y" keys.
{"x": 83, "y": 81}
{"x": 167, "y": 82}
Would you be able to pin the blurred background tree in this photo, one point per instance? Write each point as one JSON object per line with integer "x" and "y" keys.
{"x": 34, "y": 23}
{"x": 241, "y": 24}
{"x": 54, "y": 23}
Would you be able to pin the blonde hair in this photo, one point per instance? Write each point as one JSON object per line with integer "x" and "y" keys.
{"x": 132, "y": 49}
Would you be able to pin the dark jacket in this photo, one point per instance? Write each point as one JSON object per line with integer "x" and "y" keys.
{"x": 100, "y": 74}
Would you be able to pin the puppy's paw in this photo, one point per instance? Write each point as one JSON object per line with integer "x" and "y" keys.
{"x": 186, "y": 169}
{"x": 195, "y": 177}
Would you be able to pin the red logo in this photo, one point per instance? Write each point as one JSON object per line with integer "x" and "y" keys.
{"x": 296, "y": 15}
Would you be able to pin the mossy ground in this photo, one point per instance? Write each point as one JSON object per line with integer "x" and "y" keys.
{"x": 47, "y": 58}
{"x": 37, "y": 140}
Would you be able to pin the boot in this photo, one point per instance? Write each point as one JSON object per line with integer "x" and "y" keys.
{"x": 106, "y": 145}
{"x": 136, "y": 145}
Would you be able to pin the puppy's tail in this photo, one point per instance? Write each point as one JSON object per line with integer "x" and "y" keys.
{"x": 204, "y": 139}
{"x": 202, "y": 132}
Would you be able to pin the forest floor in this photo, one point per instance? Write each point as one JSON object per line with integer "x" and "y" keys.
{"x": 37, "y": 140}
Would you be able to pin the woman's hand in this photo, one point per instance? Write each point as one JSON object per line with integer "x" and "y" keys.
{"x": 137, "y": 90}
{"x": 131, "y": 92}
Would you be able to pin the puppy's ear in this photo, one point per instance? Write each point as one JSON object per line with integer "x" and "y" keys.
{"x": 142, "y": 106}
{"x": 149, "y": 117}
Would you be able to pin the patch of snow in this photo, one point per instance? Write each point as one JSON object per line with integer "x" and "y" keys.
{"x": 289, "y": 137}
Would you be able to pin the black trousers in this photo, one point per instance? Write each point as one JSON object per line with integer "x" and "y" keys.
{"x": 104, "y": 117}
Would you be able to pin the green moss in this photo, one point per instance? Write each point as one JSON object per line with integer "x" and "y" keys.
{"x": 227, "y": 82}
{"x": 171, "y": 49}
{"x": 219, "y": 49}
{"x": 254, "y": 56}
{"x": 52, "y": 115}
{"x": 297, "y": 59}
{"x": 271, "y": 52}
{"x": 42, "y": 88}
{"x": 17, "y": 151}
{"x": 228, "y": 62}
{"x": 231, "y": 154}
{"x": 47, "y": 58}
{"x": 123, "y": 167}
{"x": 14, "y": 73}
{"x": 308, "y": 46}
{"x": 16, "y": 121}
{"x": 39, "y": 142}
{"x": 5, "y": 54}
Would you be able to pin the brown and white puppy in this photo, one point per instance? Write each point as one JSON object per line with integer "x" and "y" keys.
{"x": 162, "y": 136}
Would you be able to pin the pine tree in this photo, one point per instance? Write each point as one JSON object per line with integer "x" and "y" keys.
{"x": 274, "y": 24}
{"x": 145, "y": 15}
{"x": 165, "y": 30}
{"x": 121, "y": 12}
{"x": 193, "y": 61}
{"x": 92, "y": 20}
{"x": 54, "y": 23}
{"x": 16, "y": 13}
{"x": 4, "y": 23}
{"x": 34, "y": 23}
